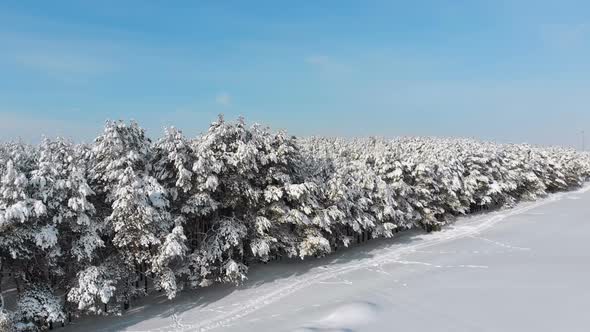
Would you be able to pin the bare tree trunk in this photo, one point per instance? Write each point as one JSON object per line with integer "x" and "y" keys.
{"x": 137, "y": 274}
{"x": 47, "y": 275}
{"x": 17, "y": 283}
{"x": 145, "y": 279}
{"x": 1, "y": 277}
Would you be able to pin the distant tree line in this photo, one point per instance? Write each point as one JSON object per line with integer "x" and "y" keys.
{"x": 86, "y": 228}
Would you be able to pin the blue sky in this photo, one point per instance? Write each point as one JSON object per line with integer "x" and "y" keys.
{"x": 511, "y": 71}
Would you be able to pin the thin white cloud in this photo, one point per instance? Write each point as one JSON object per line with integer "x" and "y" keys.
{"x": 223, "y": 99}
{"x": 327, "y": 63}
{"x": 59, "y": 58}
{"x": 31, "y": 128}
{"x": 318, "y": 60}
{"x": 62, "y": 63}
{"x": 566, "y": 36}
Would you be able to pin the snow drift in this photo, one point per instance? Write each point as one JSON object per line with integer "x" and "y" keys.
{"x": 345, "y": 317}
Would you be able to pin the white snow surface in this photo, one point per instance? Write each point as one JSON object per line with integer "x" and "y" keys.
{"x": 521, "y": 269}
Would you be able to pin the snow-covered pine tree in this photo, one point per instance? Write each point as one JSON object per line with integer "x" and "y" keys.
{"x": 225, "y": 163}
{"x": 96, "y": 286}
{"x": 21, "y": 228}
{"x": 287, "y": 205}
{"x": 38, "y": 308}
{"x": 130, "y": 201}
{"x": 172, "y": 161}
{"x": 6, "y": 323}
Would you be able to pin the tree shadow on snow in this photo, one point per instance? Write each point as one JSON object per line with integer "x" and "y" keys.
{"x": 207, "y": 300}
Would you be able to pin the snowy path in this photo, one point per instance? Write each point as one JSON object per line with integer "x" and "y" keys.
{"x": 522, "y": 269}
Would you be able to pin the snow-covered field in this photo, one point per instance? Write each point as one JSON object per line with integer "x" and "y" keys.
{"x": 522, "y": 269}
